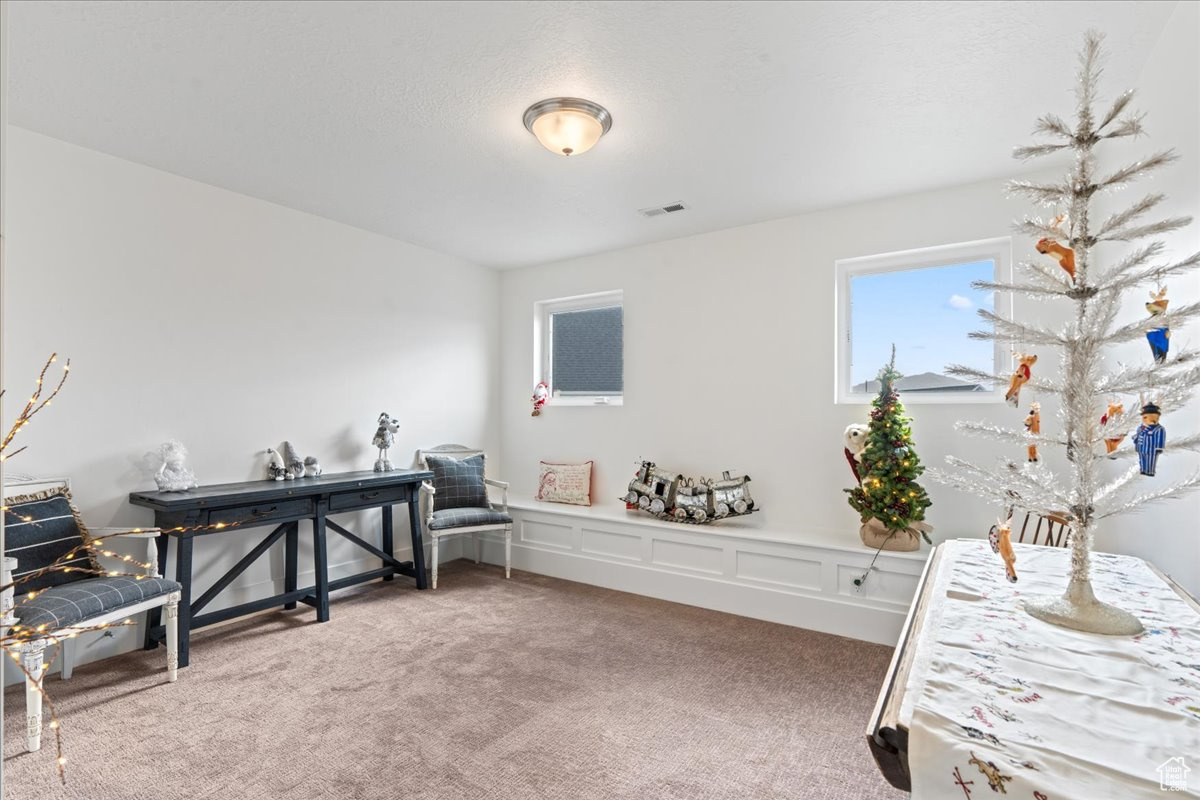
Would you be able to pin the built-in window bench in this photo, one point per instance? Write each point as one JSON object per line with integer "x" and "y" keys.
{"x": 787, "y": 576}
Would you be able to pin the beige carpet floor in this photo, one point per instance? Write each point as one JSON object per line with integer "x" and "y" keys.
{"x": 486, "y": 688}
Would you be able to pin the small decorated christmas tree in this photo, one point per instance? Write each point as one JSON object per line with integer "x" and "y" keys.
{"x": 890, "y": 501}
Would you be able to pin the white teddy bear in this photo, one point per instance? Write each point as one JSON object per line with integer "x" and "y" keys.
{"x": 855, "y": 438}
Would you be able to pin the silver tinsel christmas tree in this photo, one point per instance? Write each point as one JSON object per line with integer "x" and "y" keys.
{"x": 1086, "y": 384}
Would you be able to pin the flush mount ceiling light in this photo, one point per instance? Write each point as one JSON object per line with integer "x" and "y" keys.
{"x": 567, "y": 126}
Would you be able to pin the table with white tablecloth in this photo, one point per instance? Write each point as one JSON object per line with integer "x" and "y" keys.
{"x": 996, "y": 702}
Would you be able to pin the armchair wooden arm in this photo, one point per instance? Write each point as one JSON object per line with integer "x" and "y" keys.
{"x": 428, "y": 490}
{"x": 503, "y": 486}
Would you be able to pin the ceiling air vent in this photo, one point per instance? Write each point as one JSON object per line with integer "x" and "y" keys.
{"x": 658, "y": 211}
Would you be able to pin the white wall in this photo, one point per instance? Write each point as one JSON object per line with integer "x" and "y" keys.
{"x": 1169, "y": 91}
{"x": 729, "y": 350}
{"x": 230, "y": 323}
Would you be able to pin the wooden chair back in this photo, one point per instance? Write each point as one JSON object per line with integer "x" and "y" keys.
{"x": 457, "y": 451}
{"x": 1052, "y": 529}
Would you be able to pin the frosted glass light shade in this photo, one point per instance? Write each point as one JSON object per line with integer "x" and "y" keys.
{"x": 567, "y": 126}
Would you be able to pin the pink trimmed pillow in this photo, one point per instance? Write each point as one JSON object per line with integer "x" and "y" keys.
{"x": 566, "y": 483}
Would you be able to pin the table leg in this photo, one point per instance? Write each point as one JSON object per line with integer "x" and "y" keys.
{"x": 320, "y": 565}
{"x": 183, "y": 574}
{"x": 154, "y": 615}
{"x": 291, "y": 543}
{"x": 418, "y": 548}
{"x": 388, "y": 546}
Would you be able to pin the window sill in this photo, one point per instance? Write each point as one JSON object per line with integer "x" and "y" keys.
{"x": 588, "y": 400}
{"x": 926, "y": 398}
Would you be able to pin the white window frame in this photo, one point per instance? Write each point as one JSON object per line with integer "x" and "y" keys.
{"x": 543, "y": 343}
{"x": 998, "y": 250}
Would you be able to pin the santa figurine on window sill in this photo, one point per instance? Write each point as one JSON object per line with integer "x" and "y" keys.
{"x": 541, "y": 393}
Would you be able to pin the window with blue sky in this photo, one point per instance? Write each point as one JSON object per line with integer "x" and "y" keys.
{"x": 927, "y": 313}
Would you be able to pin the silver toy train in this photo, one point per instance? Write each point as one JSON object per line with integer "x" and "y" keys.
{"x": 671, "y": 496}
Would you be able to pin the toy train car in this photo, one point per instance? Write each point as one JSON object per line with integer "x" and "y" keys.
{"x": 671, "y": 496}
{"x": 653, "y": 489}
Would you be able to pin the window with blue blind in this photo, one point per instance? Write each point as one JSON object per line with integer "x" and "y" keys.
{"x": 581, "y": 343}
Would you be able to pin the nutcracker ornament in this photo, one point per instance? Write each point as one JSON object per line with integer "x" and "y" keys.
{"x": 1033, "y": 425}
{"x": 1115, "y": 409}
{"x": 1149, "y": 439}
{"x": 541, "y": 393}
{"x": 1160, "y": 343}
{"x": 1020, "y": 377}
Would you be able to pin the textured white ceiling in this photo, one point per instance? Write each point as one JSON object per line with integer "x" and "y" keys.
{"x": 405, "y": 118}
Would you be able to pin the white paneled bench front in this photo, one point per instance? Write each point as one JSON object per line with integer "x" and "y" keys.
{"x": 785, "y": 576}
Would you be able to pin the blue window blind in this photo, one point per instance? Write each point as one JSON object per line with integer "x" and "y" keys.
{"x": 586, "y": 351}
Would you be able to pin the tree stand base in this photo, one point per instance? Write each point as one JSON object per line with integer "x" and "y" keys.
{"x": 1090, "y": 616}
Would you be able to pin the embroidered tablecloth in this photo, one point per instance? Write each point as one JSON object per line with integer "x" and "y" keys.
{"x": 999, "y": 703}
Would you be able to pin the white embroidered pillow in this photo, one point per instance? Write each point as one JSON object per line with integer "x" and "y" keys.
{"x": 566, "y": 483}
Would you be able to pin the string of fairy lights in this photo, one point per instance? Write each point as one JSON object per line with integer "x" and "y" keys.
{"x": 15, "y": 638}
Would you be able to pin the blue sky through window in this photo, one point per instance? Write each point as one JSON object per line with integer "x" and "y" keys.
{"x": 927, "y": 313}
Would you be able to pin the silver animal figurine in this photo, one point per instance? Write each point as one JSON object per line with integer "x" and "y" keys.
{"x": 385, "y": 437}
{"x": 293, "y": 462}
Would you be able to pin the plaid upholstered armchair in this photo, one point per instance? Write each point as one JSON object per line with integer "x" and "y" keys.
{"x": 457, "y": 501}
{"x": 51, "y": 607}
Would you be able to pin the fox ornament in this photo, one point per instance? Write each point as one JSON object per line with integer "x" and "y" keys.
{"x": 1020, "y": 377}
{"x": 1000, "y": 538}
{"x": 1115, "y": 410}
{"x": 1065, "y": 256}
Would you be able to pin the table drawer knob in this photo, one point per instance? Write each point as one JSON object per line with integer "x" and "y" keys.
{"x": 260, "y": 513}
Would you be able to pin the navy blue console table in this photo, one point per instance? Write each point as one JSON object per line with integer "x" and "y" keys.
{"x": 213, "y": 510}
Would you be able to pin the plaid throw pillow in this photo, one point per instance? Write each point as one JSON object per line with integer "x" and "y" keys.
{"x": 39, "y": 529}
{"x": 458, "y": 484}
